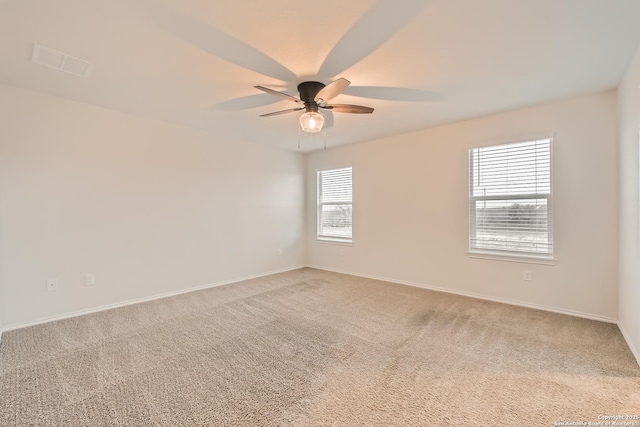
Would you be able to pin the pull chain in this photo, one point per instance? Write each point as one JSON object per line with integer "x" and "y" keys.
{"x": 325, "y": 138}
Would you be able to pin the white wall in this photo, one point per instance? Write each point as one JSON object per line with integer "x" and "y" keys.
{"x": 85, "y": 190}
{"x": 410, "y": 208}
{"x": 149, "y": 207}
{"x": 629, "y": 293}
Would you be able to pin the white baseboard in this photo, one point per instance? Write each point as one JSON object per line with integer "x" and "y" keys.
{"x": 139, "y": 300}
{"x": 632, "y": 347}
{"x": 473, "y": 295}
{"x": 626, "y": 336}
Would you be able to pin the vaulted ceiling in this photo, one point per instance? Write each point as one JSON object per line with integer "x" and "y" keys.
{"x": 419, "y": 63}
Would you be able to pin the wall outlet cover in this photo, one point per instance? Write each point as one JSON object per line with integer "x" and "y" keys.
{"x": 89, "y": 279}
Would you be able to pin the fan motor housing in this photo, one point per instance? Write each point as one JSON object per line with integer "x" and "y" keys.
{"x": 308, "y": 92}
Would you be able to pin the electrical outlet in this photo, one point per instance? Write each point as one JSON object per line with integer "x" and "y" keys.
{"x": 526, "y": 275}
{"x": 52, "y": 285}
{"x": 279, "y": 251}
{"x": 89, "y": 279}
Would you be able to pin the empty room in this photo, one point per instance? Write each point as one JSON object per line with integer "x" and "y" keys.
{"x": 344, "y": 213}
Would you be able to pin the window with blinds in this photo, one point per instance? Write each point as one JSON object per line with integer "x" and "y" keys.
{"x": 510, "y": 202}
{"x": 335, "y": 205}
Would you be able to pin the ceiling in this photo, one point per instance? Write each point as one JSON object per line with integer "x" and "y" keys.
{"x": 418, "y": 63}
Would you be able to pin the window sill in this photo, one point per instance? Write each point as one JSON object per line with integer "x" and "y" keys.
{"x": 334, "y": 241}
{"x": 513, "y": 258}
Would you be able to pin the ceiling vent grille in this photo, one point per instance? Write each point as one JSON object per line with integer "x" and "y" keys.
{"x": 61, "y": 61}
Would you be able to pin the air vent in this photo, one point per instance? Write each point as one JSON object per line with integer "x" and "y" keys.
{"x": 61, "y": 61}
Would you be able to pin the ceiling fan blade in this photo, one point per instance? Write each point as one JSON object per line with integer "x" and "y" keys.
{"x": 280, "y": 94}
{"x": 275, "y": 113}
{"x": 347, "y": 108}
{"x": 332, "y": 90}
{"x": 245, "y": 102}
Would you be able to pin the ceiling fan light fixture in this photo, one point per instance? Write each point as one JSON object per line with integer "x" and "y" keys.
{"x": 311, "y": 122}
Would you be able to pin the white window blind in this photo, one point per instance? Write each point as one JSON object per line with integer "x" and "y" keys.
{"x": 510, "y": 203}
{"x": 334, "y": 205}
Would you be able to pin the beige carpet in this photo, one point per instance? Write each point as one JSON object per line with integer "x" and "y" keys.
{"x": 315, "y": 348}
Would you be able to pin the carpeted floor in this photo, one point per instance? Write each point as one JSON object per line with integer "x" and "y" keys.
{"x": 313, "y": 348}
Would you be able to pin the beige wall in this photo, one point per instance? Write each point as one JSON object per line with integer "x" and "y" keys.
{"x": 410, "y": 208}
{"x": 629, "y": 293}
{"x": 85, "y": 190}
{"x": 149, "y": 207}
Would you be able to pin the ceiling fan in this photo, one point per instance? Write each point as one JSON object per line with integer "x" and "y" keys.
{"x": 314, "y": 96}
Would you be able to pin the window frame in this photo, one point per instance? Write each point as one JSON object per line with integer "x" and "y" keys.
{"x": 331, "y": 239}
{"x": 512, "y": 255}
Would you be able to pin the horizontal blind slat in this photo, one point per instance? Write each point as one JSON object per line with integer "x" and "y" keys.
{"x": 498, "y": 219}
{"x": 335, "y": 204}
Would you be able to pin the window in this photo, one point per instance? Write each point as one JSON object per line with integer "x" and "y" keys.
{"x": 510, "y": 203}
{"x": 334, "y": 205}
